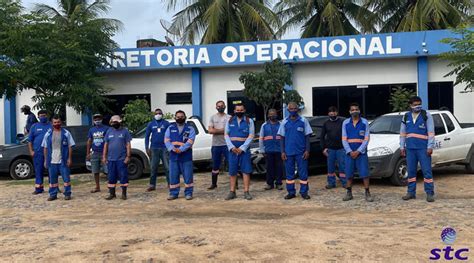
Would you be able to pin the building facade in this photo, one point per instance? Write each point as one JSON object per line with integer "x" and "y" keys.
{"x": 326, "y": 71}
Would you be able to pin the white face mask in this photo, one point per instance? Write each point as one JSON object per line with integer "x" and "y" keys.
{"x": 158, "y": 117}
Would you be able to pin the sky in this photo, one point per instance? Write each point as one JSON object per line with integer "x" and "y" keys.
{"x": 140, "y": 18}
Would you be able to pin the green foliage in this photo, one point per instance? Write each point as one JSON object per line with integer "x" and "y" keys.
{"x": 137, "y": 113}
{"x": 221, "y": 21}
{"x": 399, "y": 99}
{"x": 57, "y": 54}
{"x": 168, "y": 116}
{"x": 461, "y": 58}
{"x": 292, "y": 96}
{"x": 266, "y": 87}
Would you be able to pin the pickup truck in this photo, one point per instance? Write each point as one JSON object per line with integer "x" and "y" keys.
{"x": 140, "y": 163}
{"x": 454, "y": 144}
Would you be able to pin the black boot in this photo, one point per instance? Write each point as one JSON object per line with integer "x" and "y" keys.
{"x": 124, "y": 193}
{"x": 348, "y": 194}
{"x": 111, "y": 194}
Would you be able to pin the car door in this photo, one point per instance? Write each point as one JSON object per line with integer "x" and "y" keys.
{"x": 439, "y": 151}
{"x": 455, "y": 148}
{"x": 79, "y": 134}
{"x": 202, "y": 144}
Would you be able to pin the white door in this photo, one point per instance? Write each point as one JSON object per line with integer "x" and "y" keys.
{"x": 441, "y": 140}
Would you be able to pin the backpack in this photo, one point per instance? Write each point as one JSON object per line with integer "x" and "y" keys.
{"x": 423, "y": 115}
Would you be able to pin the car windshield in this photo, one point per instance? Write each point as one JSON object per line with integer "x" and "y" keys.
{"x": 388, "y": 124}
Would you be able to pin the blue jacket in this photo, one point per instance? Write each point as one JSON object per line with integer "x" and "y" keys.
{"x": 269, "y": 140}
{"x": 157, "y": 131}
{"x": 418, "y": 134}
{"x": 66, "y": 141}
{"x": 239, "y": 135}
{"x": 36, "y": 135}
{"x": 355, "y": 138}
{"x": 296, "y": 135}
{"x": 183, "y": 141}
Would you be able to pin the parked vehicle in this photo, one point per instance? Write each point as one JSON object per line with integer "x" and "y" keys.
{"x": 316, "y": 159}
{"x": 15, "y": 159}
{"x": 454, "y": 145}
{"x": 140, "y": 162}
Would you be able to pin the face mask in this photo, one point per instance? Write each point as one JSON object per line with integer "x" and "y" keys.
{"x": 180, "y": 120}
{"x": 355, "y": 113}
{"x": 97, "y": 123}
{"x": 333, "y": 118}
{"x": 293, "y": 113}
{"x": 116, "y": 125}
{"x": 416, "y": 108}
{"x": 220, "y": 110}
{"x": 158, "y": 117}
{"x": 57, "y": 126}
{"x": 43, "y": 119}
{"x": 239, "y": 114}
{"x": 272, "y": 118}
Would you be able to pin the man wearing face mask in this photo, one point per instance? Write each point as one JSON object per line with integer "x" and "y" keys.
{"x": 219, "y": 148}
{"x": 331, "y": 143}
{"x": 179, "y": 140}
{"x": 57, "y": 144}
{"x": 295, "y": 131}
{"x": 417, "y": 140}
{"x": 95, "y": 147}
{"x": 116, "y": 155}
{"x": 35, "y": 139}
{"x": 30, "y": 120}
{"x": 157, "y": 149}
{"x": 239, "y": 133}
{"x": 355, "y": 138}
{"x": 269, "y": 142}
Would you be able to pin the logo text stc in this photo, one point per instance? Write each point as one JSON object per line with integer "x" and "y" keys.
{"x": 448, "y": 236}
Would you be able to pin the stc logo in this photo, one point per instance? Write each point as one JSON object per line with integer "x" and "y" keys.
{"x": 448, "y": 236}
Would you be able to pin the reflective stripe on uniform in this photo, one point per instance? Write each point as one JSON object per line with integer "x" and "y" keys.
{"x": 416, "y": 135}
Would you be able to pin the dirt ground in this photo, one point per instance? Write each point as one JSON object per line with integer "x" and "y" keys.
{"x": 148, "y": 228}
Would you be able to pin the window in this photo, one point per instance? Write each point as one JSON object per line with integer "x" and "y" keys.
{"x": 440, "y": 95}
{"x": 192, "y": 124}
{"x": 179, "y": 98}
{"x": 449, "y": 122}
{"x": 438, "y": 125}
{"x": 389, "y": 124}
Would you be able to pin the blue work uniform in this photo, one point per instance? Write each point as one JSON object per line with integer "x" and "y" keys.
{"x": 180, "y": 163}
{"x": 35, "y": 137}
{"x": 117, "y": 140}
{"x": 239, "y": 134}
{"x": 416, "y": 136}
{"x": 356, "y": 138}
{"x": 157, "y": 145}
{"x": 30, "y": 120}
{"x": 55, "y": 169}
{"x": 331, "y": 139}
{"x": 269, "y": 144}
{"x": 97, "y": 136}
{"x": 295, "y": 133}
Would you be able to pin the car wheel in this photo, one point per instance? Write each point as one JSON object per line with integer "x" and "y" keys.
{"x": 400, "y": 174}
{"x": 21, "y": 169}
{"x": 135, "y": 168}
{"x": 470, "y": 165}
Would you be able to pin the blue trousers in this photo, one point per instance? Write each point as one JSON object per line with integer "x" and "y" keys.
{"x": 336, "y": 157}
{"x": 302, "y": 165}
{"x": 218, "y": 153}
{"x": 158, "y": 155}
{"x": 117, "y": 171}
{"x": 241, "y": 162}
{"x": 38, "y": 163}
{"x": 274, "y": 168}
{"x": 361, "y": 163}
{"x": 415, "y": 156}
{"x": 178, "y": 168}
{"x": 54, "y": 171}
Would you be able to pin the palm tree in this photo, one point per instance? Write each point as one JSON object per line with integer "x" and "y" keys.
{"x": 416, "y": 15}
{"x": 221, "y": 21}
{"x": 325, "y": 17}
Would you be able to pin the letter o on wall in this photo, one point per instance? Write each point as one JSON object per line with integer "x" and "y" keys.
{"x": 332, "y": 48}
{"x": 160, "y": 55}
{"x": 225, "y": 54}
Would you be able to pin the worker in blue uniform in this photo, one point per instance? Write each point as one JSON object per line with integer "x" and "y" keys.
{"x": 239, "y": 133}
{"x": 58, "y": 144}
{"x": 269, "y": 145}
{"x": 417, "y": 139}
{"x": 156, "y": 149}
{"x": 179, "y": 140}
{"x": 95, "y": 147}
{"x": 355, "y": 139}
{"x": 35, "y": 139}
{"x": 116, "y": 155}
{"x": 30, "y": 119}
{"x": 295, "y": 147}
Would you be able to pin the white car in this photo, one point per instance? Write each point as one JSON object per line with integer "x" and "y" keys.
{"x": 140, "y": 162}
{"x": 454, "y": 144}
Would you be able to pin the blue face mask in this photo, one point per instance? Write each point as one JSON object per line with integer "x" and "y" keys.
{"x": 43, "y": 119}
{"x": 97, "y": 123}
{"x": 417, "y": 108}
{"x": 293, "y": 113}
